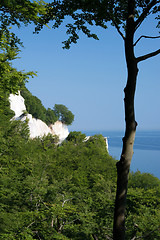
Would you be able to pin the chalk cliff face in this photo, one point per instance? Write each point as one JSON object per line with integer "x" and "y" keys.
{"x": 17, "y": 105}
{"x": 37, "y": 127}
{"x": 60, "y": 129}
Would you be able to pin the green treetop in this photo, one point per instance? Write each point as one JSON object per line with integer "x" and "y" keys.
{"x": 63, "y": 114}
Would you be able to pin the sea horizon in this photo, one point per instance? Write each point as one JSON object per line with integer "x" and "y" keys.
{"x": 146, "y": 157}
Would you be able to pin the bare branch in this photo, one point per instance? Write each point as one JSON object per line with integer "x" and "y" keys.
{"x": 143, "y": 36}
{"x": 66, "y": 201}
{"x": 52, "y": 222}
{"x": 108, "y": 237}
{"x": 145, "y": 13}
{"x": 116, "y": 26}
{"x": 38, "y": 235}
{"x": 94, "y": 237}
{"x": 133, "y": 238}
{"x": 149, "y": 55}
{"x": 30, "y": 224}
{"x": 118, "y": 29}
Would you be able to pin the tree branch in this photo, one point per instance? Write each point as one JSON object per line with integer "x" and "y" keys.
{"x": 118, "y": 29}
{"x": 66, "y": 201}
{"x": 143, "y": 36}
{"x": 145, "y": 13}
{"x": 116, "y": 26}
{"x": 109, "y": 238}
{"x": 30, "y": 224}
{"x": 94, "y": 237}
{"x": 149, "y": 55}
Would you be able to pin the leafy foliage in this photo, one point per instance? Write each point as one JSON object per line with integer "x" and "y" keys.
{"x": 35, "y": 107}
{"x": 16, "y": 13}
{"x": 76, "y": 137}
{"x": 63, "y": 114}
{"x": 50, "y": 116}
{"x": 82, "y": 15}
{"x": 33, "y": 104}
{"x": 10, "y": 79}
{"x": 54, "y": 191}
{"x": 67, "y": 192}
{"x": 144, "y": 181}
{"x": 143, "y": 212}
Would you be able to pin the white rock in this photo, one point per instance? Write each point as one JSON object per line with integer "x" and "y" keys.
{"x": 37, "y": 127}
{"x": 17, "y": 104}
{"x": 87, "y": 138}
{"x": 60, "y": 129}
{"x": 105, "y": 138}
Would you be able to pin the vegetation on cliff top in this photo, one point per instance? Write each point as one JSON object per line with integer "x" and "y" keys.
{"x": 35, "y": 107}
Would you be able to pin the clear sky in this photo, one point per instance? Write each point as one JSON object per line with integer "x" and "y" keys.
{"x": 90, "y": 77}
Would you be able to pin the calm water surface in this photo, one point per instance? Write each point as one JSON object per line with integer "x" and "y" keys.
{"x": 146, "y": 156}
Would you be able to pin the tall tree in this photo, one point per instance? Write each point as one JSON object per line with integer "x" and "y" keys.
{"x": 126, "y": 16}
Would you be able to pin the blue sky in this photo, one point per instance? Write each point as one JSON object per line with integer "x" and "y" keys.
{"x": 90, "y": 77}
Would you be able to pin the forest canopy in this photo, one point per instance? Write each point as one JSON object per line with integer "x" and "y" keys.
{"x": 67, "y": 192}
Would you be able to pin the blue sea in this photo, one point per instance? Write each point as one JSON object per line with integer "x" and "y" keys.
{"x": 146, "y": 157}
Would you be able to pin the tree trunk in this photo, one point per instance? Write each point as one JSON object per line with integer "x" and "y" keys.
{"x": 123, "y": 166}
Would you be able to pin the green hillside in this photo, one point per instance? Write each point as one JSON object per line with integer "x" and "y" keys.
{"x": 67, "y": 192}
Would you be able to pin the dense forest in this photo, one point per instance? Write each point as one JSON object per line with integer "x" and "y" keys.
{"x": 66, "y": 191}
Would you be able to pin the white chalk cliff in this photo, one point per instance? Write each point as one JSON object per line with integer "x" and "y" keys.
{"x": 37, "y": 127}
